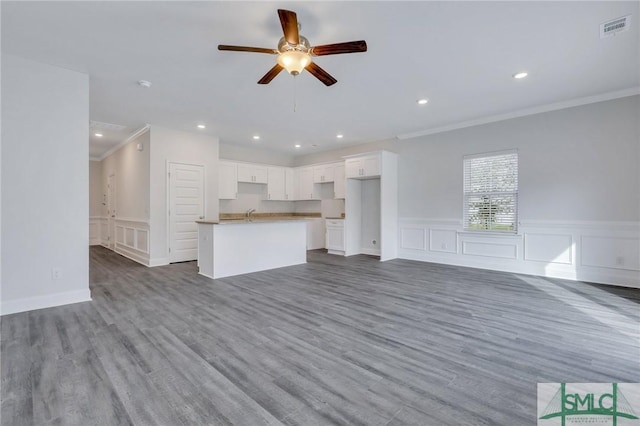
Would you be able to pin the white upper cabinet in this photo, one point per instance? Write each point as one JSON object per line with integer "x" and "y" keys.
{"x": 289, "y": 186}
{"x": 276, "y": 183}
{"x": 305, "y": 188}
{"x": 362, "y": 167}
{"x": 323, "y": 173}
{"x": 339, "y": 189}
{"x": 252, "y": 173}
{"x": 227, "y": 180}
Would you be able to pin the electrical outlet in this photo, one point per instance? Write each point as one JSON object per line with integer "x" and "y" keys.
{"x": 56, "y": 273}
{"x": 374, "y": 242}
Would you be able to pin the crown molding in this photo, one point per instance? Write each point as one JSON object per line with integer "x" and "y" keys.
{"x": 524, "y": 112}
{"x": 129, "y": 138}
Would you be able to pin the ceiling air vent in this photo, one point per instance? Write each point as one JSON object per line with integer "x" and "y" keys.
{"x": 615, "y": 26}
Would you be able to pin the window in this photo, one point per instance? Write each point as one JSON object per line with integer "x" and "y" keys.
{"x": 491, "y": 192}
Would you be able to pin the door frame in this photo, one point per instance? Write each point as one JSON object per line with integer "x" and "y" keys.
{"x": 111, "y": 210}
{"x": 168, "y": 198}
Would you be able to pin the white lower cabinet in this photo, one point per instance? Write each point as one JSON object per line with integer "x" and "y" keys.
{"x": 335, "y": 236}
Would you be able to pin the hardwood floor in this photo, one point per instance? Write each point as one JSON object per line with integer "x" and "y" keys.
{"x": 336, "y": 341}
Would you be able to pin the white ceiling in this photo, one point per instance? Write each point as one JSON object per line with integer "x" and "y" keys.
{"x": 460, "y": 55}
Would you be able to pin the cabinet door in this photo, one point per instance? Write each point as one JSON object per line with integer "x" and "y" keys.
{"x": 339, "y": 187}
{"x": 260, "y": 174}
{"x": 305, "y": 184}
{"x": 371, "y": 166}
{"x": 328, "y": 171}
{"x": 335, "y": 237}
{"x": 289, "y": 187}
{"x": 276, "y": 183}
{"x": 317, "y": 174}
{"x": 245, "y": 173}
{"x": 353, "y": 167}
{"x": 227, "y": 181}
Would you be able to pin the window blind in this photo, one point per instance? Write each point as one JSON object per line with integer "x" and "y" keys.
{"x": 491, "y": 192}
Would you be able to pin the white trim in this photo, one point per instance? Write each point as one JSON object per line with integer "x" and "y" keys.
{"x": 48, "y": 301}
{"x": 632, "y": 91}
{"x": 132, "y": 220}
{"x": 161, "y": 261}
{"x": 131, "y": 254}
{"x": 370, "y": 252}
{"x": 129, "y": 138}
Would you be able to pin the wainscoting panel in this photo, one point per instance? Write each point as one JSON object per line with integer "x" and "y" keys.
{"x": 603, "y": 252}
{"x": 443, "y": 240}
{"x": 490, "y": 249}
{"x": 413, "y": 239}
{"x": 552, "y": 248}
{"x": 132, "y": 239}
{"x": 611, "y": 252}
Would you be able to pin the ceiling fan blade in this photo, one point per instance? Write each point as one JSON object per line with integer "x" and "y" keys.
{"x": 247, "y": 49}
{"x": 271, "y": 74}
{"x": 289, "y": 21}
{"x": 337, "y": 48}
{"x": 321, "y": 74}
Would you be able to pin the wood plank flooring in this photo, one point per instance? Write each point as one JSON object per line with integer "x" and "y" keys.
{"x": 347, "y": 341}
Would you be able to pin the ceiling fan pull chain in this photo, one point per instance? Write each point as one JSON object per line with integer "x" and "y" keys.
{"x": 294, "y": 92}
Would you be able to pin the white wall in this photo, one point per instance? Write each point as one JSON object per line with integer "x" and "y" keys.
{"x": 255, "y": 155}
{"x": 579, "y": 195}
{"x": 166, "y": 146}
{"x": 45, "y": 185}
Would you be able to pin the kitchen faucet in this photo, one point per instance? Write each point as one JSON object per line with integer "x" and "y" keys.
{"x": 249, "y": 213}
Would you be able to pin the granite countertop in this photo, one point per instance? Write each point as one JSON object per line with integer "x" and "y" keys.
{"x": 239, "y": 218}
{"x": 231, "y": 218}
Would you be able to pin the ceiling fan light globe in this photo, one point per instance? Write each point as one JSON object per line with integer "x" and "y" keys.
{"x": 294, "y": 61}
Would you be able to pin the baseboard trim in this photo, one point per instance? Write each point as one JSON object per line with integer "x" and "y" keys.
{"x": 130, "y": 254}
{"x": 41, "y": 302}
{"x": 161, "y": 261}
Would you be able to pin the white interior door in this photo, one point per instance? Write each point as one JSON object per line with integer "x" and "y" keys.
{"x": 186, "y": 205}
{"x": 111, "y": 211}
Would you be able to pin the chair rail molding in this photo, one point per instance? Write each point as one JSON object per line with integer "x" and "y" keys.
{"x": 602, "y": 252}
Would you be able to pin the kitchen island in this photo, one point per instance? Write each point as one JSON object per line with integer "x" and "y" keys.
{"x": 235, "y": 247}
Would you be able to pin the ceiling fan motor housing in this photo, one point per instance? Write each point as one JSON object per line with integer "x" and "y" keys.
{"x": 303, "y": 46}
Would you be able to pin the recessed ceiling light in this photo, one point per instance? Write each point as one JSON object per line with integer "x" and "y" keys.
{"x": 339, "y": 136}
{"x": 520, "y": 75}
{"x": 422, "y": 101}
{"x": 144, "y": 83}
{"x": 99, "y": 135}
{"x": 297, "y": 145}
{"x": 201, "y": 126}
{"x": 256, "y": 137}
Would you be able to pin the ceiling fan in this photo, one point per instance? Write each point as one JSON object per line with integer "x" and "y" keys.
{"x": 295, "y": 53}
